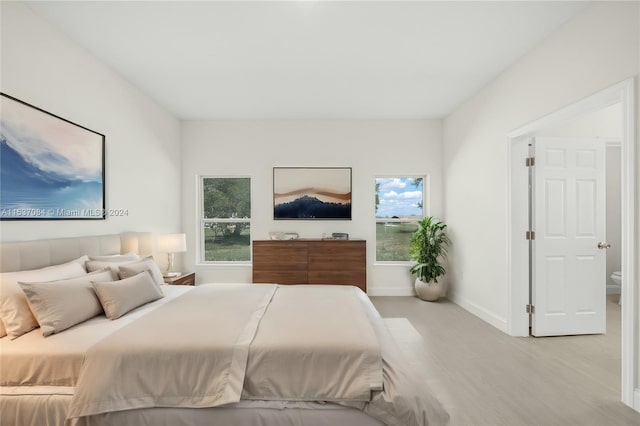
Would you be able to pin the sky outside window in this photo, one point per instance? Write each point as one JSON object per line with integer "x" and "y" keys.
{"x": 401, "y": 197}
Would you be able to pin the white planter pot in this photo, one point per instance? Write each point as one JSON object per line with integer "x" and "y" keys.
{"x": 428, "y": 291}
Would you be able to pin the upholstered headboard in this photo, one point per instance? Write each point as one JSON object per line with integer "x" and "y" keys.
{"x": 24, "y": 255}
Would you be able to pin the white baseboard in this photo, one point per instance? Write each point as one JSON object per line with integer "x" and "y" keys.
{"x": 390, "y": 291}
{"x": 480, "y": 312}
{"x": 636, "y": 399}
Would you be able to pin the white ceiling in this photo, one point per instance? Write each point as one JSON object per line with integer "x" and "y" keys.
{"x": 308, "y": 59}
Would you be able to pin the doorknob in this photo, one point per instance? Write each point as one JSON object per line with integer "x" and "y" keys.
{"x": 604, "y": 245}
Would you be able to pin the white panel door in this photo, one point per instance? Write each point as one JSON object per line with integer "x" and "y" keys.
{"x": 568, "y": 267}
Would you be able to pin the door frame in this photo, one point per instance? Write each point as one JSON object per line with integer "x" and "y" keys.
{"x": 517, "y": 247}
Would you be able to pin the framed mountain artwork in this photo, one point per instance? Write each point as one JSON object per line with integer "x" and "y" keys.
{"x": 312, "y": 193}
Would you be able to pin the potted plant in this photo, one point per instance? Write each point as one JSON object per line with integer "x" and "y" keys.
{"x": 428, "y": 247}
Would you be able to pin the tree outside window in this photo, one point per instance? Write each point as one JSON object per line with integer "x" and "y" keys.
{"x": 226, "y": 219}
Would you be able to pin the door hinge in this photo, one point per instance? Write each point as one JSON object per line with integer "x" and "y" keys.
{"x": 531, "y": 309}
{"x": 530, "y": 161}
{"x": 530, "y": 235}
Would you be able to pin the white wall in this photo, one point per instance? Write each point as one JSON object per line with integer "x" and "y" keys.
{"x": 593, "y": 51}
{"x": 605, "y": 124}
{"x": 41, "y": 66}
{"x": 253, "y": 148}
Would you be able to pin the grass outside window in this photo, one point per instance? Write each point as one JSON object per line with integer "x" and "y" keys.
{"x": 223, "y": 245}
{"x": 392, "y": 240}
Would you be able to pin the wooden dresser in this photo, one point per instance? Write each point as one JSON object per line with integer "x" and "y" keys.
{"x": 338, "y": 262}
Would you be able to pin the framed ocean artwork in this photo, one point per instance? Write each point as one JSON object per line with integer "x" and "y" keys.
{"x": 312, "y": 193}
{"x": 50, "y": 168}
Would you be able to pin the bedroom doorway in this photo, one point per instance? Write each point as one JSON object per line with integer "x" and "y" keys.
{"x": 518, "y": 247}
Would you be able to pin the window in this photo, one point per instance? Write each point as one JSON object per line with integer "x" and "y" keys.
{"x": 400, "y": 205}
{"x": 225, "y": 219}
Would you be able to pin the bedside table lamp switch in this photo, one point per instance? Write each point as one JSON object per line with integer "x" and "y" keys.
{"x": 171, "y": 244}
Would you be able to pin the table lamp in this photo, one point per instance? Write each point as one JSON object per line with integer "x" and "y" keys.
{"x": 171, "y": 244}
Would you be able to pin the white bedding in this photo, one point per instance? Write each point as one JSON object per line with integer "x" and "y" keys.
{"x": 321, "y": 340}
{"x": 56, "y": 360}
{"x": 326, "y": 363}
{"x": 200, "y": 342}
{"x": 48, "y": 405}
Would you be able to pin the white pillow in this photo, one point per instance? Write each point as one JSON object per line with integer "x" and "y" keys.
{"x": 146, "y": 264}
{"x": 14, "y": 309}
{"x": 96, "y": 265}
{"x": 119, "y": 297}
{"x": 115, "y": 257}
{"x": 58, "y": 305}
{"x": 81, "y": 260}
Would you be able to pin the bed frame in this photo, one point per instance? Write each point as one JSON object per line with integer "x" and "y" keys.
{"x": 26, "y": 255}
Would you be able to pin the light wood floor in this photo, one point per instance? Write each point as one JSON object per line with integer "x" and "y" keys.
{"x": 485, "y": 377}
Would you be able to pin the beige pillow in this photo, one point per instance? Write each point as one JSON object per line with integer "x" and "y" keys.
{"x": 96, "y": 265}
{"x": 80, "y": 261}
{"x": 58, "y": 305}
{"x": 119, "y": 297}
{"x": 14, "y": 308}
{"x": 146, "y": 264}
{"x": 115, "y": 257}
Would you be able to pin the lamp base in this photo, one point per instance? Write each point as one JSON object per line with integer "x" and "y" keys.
{"x": 171, "y": 274}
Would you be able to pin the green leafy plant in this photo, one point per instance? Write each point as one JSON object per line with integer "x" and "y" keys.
{"x": 428, "y": 246}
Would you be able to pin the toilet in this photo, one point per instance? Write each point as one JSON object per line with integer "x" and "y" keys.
{"x": 616, "y": 287}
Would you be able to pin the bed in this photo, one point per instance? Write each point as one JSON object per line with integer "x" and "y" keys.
{"x": 215, "y": 354}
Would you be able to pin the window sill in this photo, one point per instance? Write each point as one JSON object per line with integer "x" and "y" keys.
{"x": 398, "y": 263}
{"x": 225, "y": 265}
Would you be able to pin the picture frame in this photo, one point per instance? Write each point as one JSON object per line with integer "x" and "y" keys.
{"x": 51, "y": 168}
{"x": 312, "y": 193}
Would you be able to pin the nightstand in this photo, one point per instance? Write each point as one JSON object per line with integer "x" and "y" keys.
{"x": 185, "y": 278}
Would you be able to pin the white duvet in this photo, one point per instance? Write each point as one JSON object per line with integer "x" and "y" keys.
{"x": 202, "y": 348}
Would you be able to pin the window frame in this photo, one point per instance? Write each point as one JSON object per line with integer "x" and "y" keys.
{"x": 426, "y": 211}
{"x": 201, "y": 220}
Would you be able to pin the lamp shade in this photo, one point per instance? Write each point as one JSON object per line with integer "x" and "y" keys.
{"x": 172, "y": 243}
